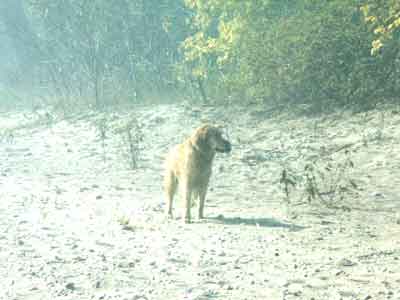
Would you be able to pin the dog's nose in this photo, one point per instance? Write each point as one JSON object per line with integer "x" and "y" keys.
{"x": 228, "y": 147}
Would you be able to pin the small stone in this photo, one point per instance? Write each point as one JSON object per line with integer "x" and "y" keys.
{"x": 70, "y": 286}
{"x": 339, "y": 273}
{"x": 378, "y": 195}
{"x": 346, "y": 262}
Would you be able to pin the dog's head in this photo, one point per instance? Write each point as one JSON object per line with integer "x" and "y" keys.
{"x": 210, "y": 137}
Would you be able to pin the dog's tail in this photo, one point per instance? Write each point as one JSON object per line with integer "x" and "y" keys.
{"x": 170, "y": 183}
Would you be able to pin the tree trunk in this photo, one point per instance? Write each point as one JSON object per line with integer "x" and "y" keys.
{"x": 202, "y": 90}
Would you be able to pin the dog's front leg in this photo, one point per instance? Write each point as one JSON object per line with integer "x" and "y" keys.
{"x": 202, "y": 198}
{"x": 187, "y": 197}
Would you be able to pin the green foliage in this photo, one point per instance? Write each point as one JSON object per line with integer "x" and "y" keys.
{"x": 384, "y": 20}
{"x": 280, "y": 52}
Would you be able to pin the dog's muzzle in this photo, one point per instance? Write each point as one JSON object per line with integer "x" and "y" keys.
{"x": 226, "y": 148}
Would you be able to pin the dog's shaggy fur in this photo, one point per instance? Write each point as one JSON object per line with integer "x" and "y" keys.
{"x": 189, "y": 165}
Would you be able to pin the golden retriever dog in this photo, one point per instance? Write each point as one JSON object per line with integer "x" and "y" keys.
{"x": 189, "y": 165}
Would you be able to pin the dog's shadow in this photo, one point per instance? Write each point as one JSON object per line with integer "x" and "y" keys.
{"x": 260, "y": 222}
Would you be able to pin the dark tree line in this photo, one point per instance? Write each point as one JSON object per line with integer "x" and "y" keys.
{"x": 326, "y": 53}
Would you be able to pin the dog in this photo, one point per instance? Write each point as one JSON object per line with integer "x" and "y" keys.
{"x": 188, "y": 166}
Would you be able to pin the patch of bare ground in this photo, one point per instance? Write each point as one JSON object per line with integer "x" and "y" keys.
{"x": 77, "y": 222}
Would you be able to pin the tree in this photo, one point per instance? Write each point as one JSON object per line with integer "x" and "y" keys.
{"x": 384, "y": 20}
{"x": 283, "y": 52}
{"x": 109, "y": 50}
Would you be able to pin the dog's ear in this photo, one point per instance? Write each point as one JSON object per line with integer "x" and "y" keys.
{"x": 200, "y": 137}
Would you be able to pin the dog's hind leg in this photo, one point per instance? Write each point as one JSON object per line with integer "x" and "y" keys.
{"x": 170, "y": 185}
